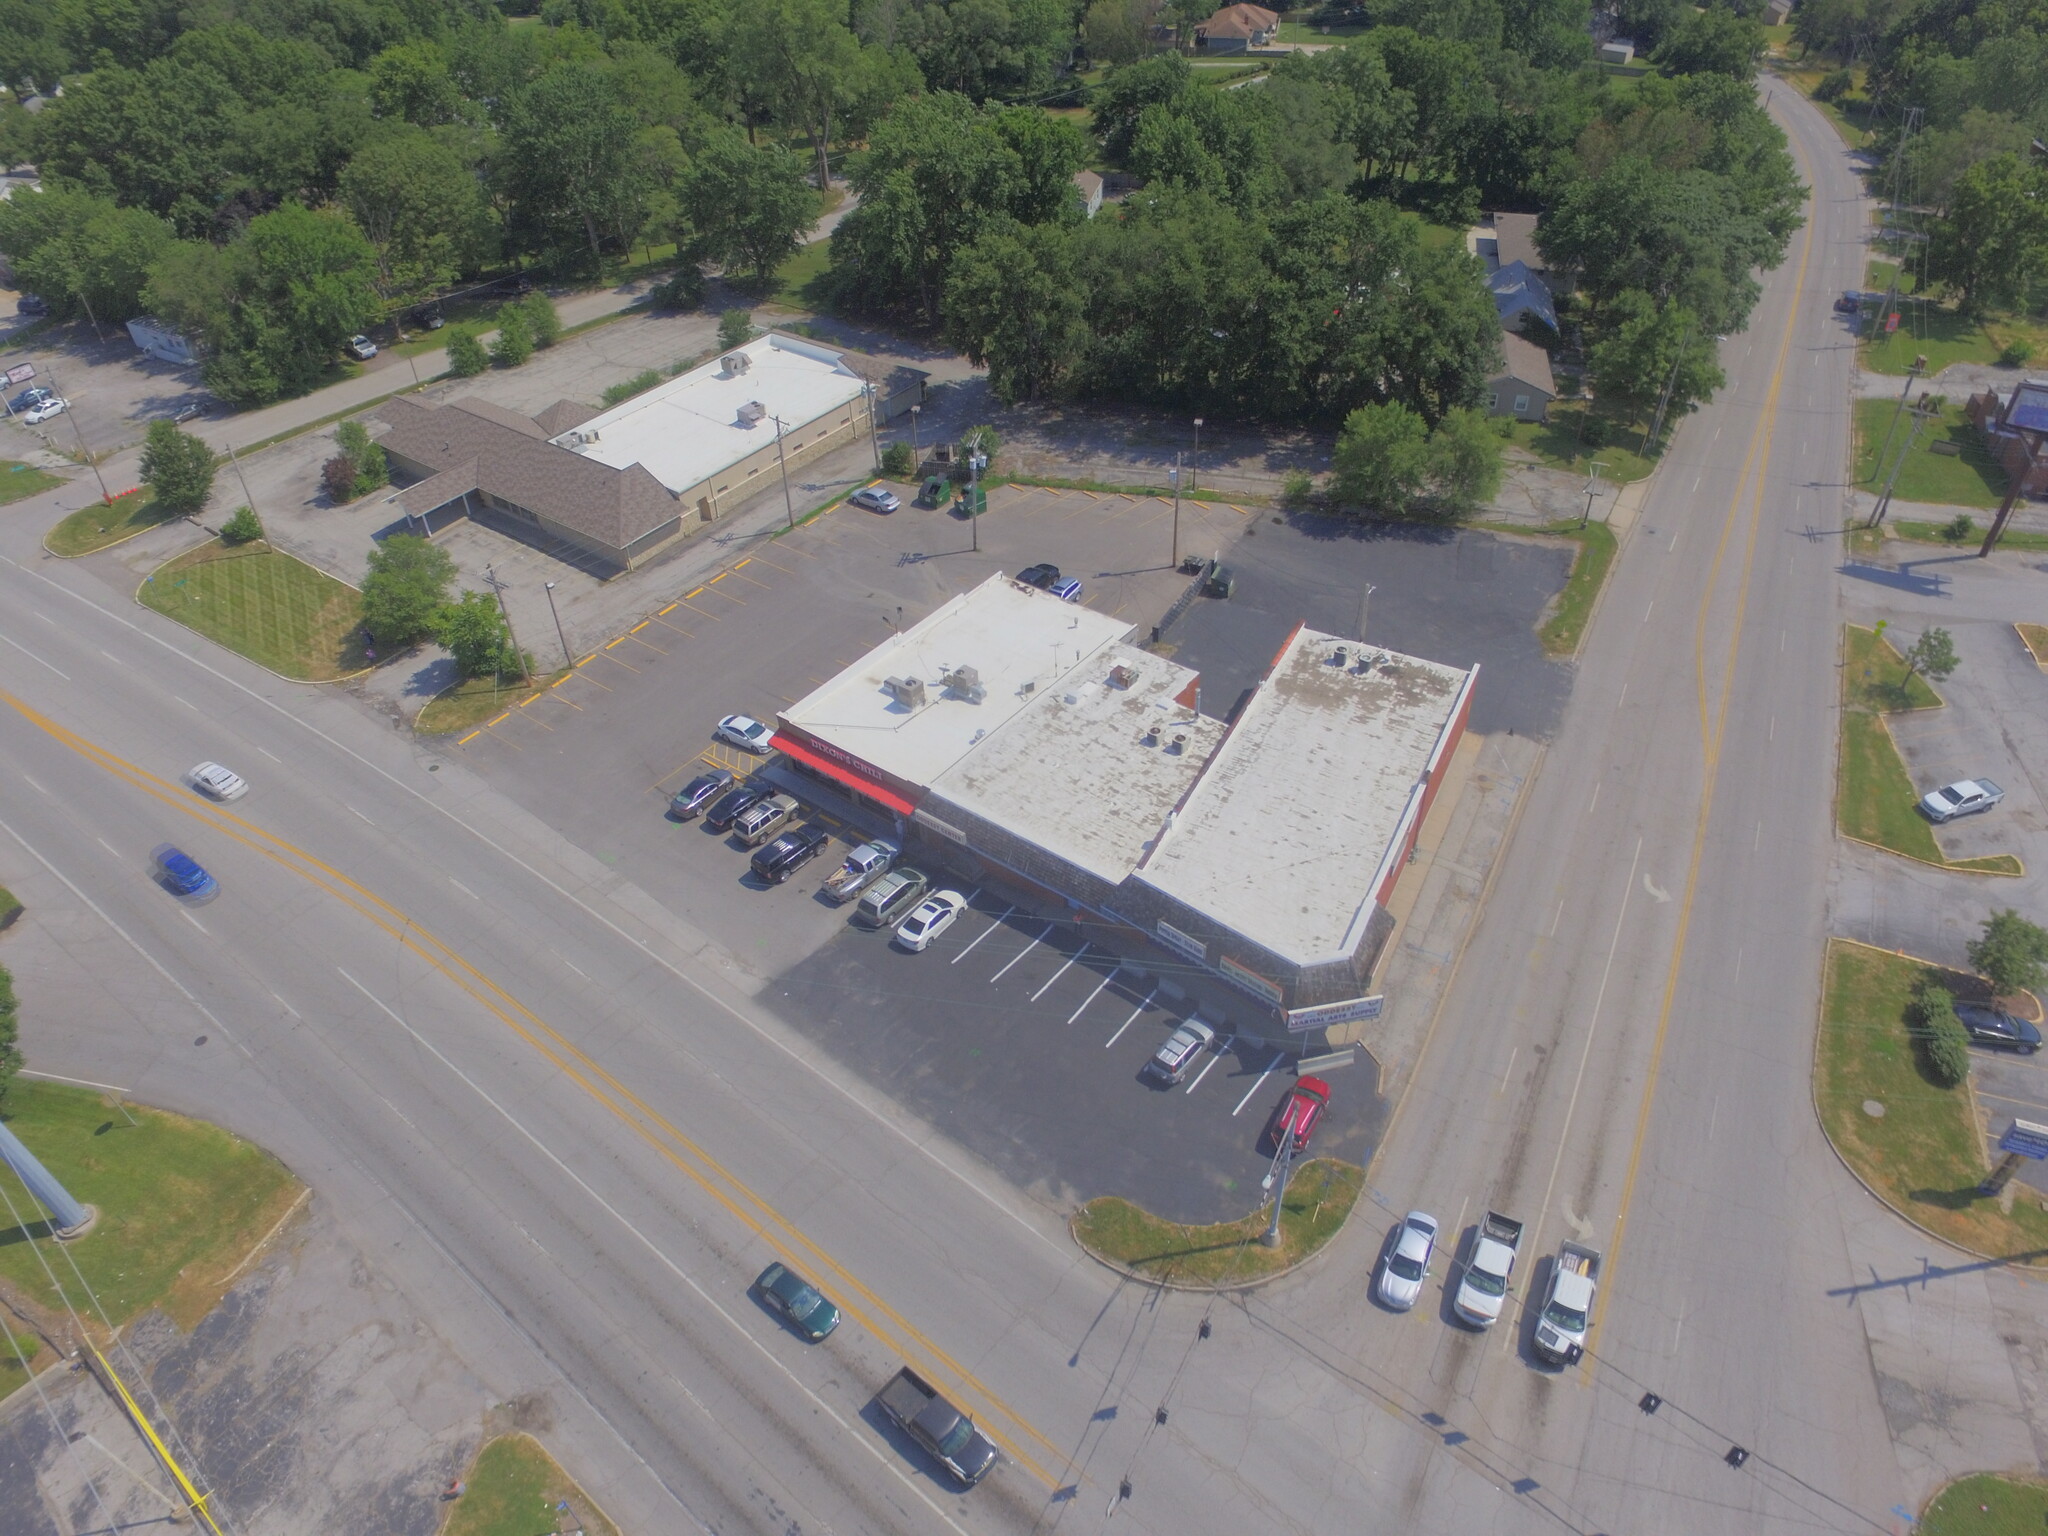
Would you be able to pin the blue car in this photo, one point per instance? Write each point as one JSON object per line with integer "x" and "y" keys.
{"x": 183, "y": 876}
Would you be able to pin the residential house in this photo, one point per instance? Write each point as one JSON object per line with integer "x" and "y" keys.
{"x": 1617, "y": 50}
{"x": 1088, "y": 192}
{"x": 2015, "y": 426}
{"x": 1237, "y": 29}
{"x": 1523, "y": 388}
{"x": 1518, "y": 292}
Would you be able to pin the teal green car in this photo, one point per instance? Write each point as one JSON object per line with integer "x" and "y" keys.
{"x": 789, "y": 1293}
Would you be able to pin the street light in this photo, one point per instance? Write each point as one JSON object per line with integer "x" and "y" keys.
{"x": 874, "y": 436}
{"x": 916, "y": 452}
{"x": 567, "y": 660}
{"x": 1193, "y": 457}
{"x": 1592, "y": 486}
{"x": 1175, "y": 560}
{"x": 1283, "y": 1165}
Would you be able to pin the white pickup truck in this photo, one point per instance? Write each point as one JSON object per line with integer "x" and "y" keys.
{"x": 1568, "y": 1309}
{"x": 1483, "y": 1288}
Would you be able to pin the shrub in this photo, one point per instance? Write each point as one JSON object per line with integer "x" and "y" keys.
{"x": 735, "y": 328}
{"x": 1834, "y": 85}
{"x": 683, "y": 289}
{"x": 338, "y": 474}
{"x": 541, "y": 320}
{"x": 514, "y": 343}
{"x": 2015, "y": 354}
{"x": 899, "y": 461}
{"x": 243, "y": 527}
{"x": 1297, "y": 488}
{"x": 984, "y": 440}
{"x": 2013, "y": 952}
{"x": 1944, "y": 1043}
{"x": 372, "y": 468}
{"x": 1958, "y": 528}
{"x": 466, "y": 355}
{"x": 474, "y": 632}
{"x": 177, "y": 467}
{"x": 405, "y": 588}
{"x": 640, "y": 383}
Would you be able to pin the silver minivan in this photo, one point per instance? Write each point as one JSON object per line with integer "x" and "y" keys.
{"x": 889, "y": 900}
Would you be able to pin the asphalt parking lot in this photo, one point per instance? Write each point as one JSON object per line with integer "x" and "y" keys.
{"x": 2007, "y": 1086}
{"x": 1016, "y": 1036}
{"x": 1456, "y": 596}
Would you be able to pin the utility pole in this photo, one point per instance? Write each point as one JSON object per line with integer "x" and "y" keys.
{"x": 84, "y": 452}
{"x": 1664, "y": 399}
{"x": 1176, "y": 512}
{"x": 1195, "y": 456}
{"x": 788, "y": 504}
{"x": 1592, "y": 487}
{"x": 497, "y": 586}
{"x": 975, "y": 459}
{"x": 567, "y": 659}
{"x": 1997, "y": 528}
{"x": 1364, "y": 599}
{"x": 251, "y": 500}
{"x": 1885, "y": 448}
{"x": 916, "y": 452}
{"x": 1283, "y": 1167}
{"x": 874, "y": 436}
{"x": 1884, "y": 502}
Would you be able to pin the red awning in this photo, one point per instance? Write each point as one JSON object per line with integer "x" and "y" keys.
{"x": 860, "y": 783}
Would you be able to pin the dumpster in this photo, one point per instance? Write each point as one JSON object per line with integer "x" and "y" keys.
{"x": 933, "y": 491}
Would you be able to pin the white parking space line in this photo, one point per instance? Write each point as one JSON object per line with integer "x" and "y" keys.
{"x": 1214, "y": 1057}
{"x": 193, "y": 921}
{"x": 108, "y": 846}
{"x": 1278, "y": 1057}
{"x": 1043, "y": 934}
{"x": 270, "y": 754}
{"x": 1115, "y": 972}
{"x": 1056, "y": 975}
{"x": 991, "y": 928}
{"x": 1127, "y": 1023}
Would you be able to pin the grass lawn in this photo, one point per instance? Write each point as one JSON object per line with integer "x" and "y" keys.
{"x": 18, "y": 480}
{"x": 1937, "y": 533}
{"x": 1987, "y": 1505}
{"x": 513, "y": 1490}
{"x": 10, "y": 908}
{"x": 1946, "y": 337}
{"x": 1556, "y": 443}
{"x": 181, "y": 1203}
{"x": 1307, "y": 32}
{"x": 1924, "y": 1155}
{"x": 2033, "y": 636}
{"x": 1850, "y": 115}
{"x": 1566, "y": 626}
{"x": 96, "y": 526}
{"x": 1968, "y": 478}
{"x": 1874, "y": 795}
{"x": 277, "y": 611}
{"x": 476, "y": 699}
{"x": 799, "y": 281}
{"x": 1319, "y": 1196}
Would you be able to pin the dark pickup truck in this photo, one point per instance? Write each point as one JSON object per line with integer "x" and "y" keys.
{"x": 915, "y": 1405}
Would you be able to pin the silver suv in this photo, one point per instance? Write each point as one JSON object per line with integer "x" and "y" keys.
{"x": 889, "y": 899}
{"x": 763, "y": 819}
{"x": 1172, "y": 1060}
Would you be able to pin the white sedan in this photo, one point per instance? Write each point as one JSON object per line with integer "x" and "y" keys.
{"x": 745, "y": 731}
{"x": 218, "y": 783}
{"x": 1962, "y": 798}
{"x": 931, "y": 917}
{"x": 1407, "y": 1262}
{"x": 43, "y": 410}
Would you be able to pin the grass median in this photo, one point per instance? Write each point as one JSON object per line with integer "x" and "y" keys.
{"x": 19, "y": 480}
{"x": 1987, "y": 1505}
{"x": 516, "y": 1488}
{"x": 1875, "y": 801}
{"x": 98, "y": 526}
{"x": 475, "y": 700}
{"x": 1921, "y": 1152}
{"x": 266, "y": 605}
{"x": 1319, "y": 1197}
{"x": 2035, "y": 638}
{"x": 181, "y": 1206}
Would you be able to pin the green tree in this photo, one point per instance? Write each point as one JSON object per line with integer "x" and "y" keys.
{"x": 1647, "y": 348}
{"x": 542, "y": 322}
{"x": 368, "y": 466}
{"x": 466, "y": 355}
{"x": 749, "y": 205}
{"x": 1382, "y": 458}
{"x": 1014, "y": 304}
{"x": 1122, "y": 99}
{"x": 10, "y": 1034}
{"x": 1114, "y": 32}
{"x": 405, "y": 588}
{"x": 735, "y": 328}
{"x": 242, "y": 528}
{"x": 177, "y": 467}
{"x": 419, "y": 202}
{"x": 1464, "y": 461}
{"x": 1944, "y": 1043}
{"x": 513, "y": 344}
{"x": 299, "y": 284}
{"x": 899, "y": 461}
{"x": 81, "y": 252}
{"x": 1933, "y": 654}
{"x": 1715, "y": 41}
{"x": 413, "y": 82}
{"x": 1993, "y": 245}
{"x": 801, "y": 61}
{"x": 570, "y": 169}
{"x": 2012, "y": 952}
{"x": 474, "y": 632}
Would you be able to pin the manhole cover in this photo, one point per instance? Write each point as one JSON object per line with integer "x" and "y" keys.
{"x": 1873, "y": 1109}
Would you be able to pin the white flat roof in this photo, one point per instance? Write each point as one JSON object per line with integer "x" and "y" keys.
{"x": 1075, "y": 772}
{"x": 1286, "y": 831}
{"x": 1019, "y": 640}
{"x": 687, "y": 430}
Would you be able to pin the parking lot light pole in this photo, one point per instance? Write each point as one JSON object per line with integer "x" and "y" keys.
{"x": 874, "y": 433}
{"x": 1174, "y": 562}
{"x": 783, "y": 463}
{"x": 1194, "y": 456}
{"x": 567, "y": 659}
{"x": 497, "y": 586}
{"x": 916, "y": 452}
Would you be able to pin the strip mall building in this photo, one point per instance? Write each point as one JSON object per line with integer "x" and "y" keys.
{"x": 1014, "y": 737}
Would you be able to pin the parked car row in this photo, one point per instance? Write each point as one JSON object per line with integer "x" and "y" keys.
{"x": 1563, "y": 1315}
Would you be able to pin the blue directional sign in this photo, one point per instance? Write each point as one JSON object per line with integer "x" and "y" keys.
{"x": 2026, "y": 1137}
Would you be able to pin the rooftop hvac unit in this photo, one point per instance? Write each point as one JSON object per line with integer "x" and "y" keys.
{"x": 1122, "y": 676}
{"x": 907, "y": 691}
{"x": 966, "y": 682}
{"x": 752, "y": 412}
{"x": 735, "y": 363}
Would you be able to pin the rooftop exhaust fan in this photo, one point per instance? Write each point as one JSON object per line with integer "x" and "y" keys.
{"x": 735, "y": 363}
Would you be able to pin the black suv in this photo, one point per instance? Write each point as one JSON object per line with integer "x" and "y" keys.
{"x": 789, "y": 853}
{"x": 1039, "y": 576}
{"x": 726, "y": 809}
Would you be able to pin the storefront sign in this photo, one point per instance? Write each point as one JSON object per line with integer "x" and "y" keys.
{"x": 1250, "y": 980}
{"x": 1324, "y": 1015}
{"x": 1186, "y": 943}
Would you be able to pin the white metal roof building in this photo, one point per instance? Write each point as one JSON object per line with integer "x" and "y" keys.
{"x": 1015, "y": 735}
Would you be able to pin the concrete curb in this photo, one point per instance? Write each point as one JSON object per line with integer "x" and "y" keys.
{"x": 1820, "y": 1121}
